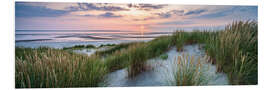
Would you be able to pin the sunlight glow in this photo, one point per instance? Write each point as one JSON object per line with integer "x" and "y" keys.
{"x": 127, "y": 17}
{"x": 142, "y": 30}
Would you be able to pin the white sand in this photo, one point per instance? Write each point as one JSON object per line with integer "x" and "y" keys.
{"x": 162, "y": 71}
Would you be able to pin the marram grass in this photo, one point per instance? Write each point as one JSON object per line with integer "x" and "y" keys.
{"x": 190, "y": 71}
{"x": 234, "y": 51}
{"x": 46, "y": 67}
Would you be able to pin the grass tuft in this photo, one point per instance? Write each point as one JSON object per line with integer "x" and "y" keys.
{"x": 79, "y": 47}
{"x": 46, "y": 67}
{"x": 164, "y": 56}
{"x": 189, "y": 72}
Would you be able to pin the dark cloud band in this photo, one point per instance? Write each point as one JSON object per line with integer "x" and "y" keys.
{"x": 92, "y": 6}
{"x": 22, "y": 10}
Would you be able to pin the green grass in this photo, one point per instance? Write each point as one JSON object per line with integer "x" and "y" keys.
{"x": 79, "y": 47}
{"x": 103, "y": 45}
{"x": 234, "y": 51}
{"x": 114, "y": 48}
{"x": 46, "y": 67}
{"x": 164, "y": 56}
{"x": 120, "y": 59}
{"x": 90, "y": 46}
{"x": 189, "y": 73}
{"x": 135, "y": 55}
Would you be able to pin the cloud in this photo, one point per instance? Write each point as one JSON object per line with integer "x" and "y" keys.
{"x": 177, "y": 12}
{"x": 233, "y": 12}
{"x": 164, "y": 15}
{"x": 146, "y": 7}
{"x": 88, "y": 15}
{"x": 150, "y": 6}
{"x": 23, "y": 10}
{"x": 92, "y": 6}
{"x": 195, "y": 12}
{"x": 144, "y": 19}
{"x": 176, "y": 23}
{"x": 109, "y": 15}
{"x": 214, "y": 15}
{"x": 170, "y": 13}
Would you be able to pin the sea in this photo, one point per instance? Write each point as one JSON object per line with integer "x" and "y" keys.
{"x": 68, "y": 38}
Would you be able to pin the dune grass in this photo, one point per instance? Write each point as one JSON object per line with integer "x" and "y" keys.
{"x": 136, "y": 54}
{"x": 139, "y": 54}
{"x": 114, "y": 48}
{"x": 164, "y": 56}
{"x": 104, "y": 45}
{"x": 79, "y": 47}
{"x": 179, "y": 38}
{"x": 46, "y": 67}
{"x": 189, "y": 73}
{"x": 234, "y": 51}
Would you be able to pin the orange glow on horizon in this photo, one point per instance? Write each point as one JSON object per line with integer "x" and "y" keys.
{"x": 142, "y": 30}
{"x": 132, "y": 17}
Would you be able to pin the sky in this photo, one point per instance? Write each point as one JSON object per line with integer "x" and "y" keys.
{"x": 127, "y": 17}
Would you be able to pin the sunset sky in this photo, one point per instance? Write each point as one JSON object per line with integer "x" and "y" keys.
{"x": 133, "y": 17}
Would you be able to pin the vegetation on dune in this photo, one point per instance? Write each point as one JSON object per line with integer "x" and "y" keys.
{"x": 46, "y": 67}
{"x": 137, "y": 60}
{"x": 164, "y": 56}
{"x": 139, "y": 54}
{"x": 79, "y": 47}
{"x": 234, "y": 50}
{"x": 119, "y": 59}
{"x": 188, "y": 72}
{"x": 90, "y": 46}
{"x": 103, "y": 45}
{"x": 136, "y": 54}
{"x": 114, "y": 48}
{"x": 181, "y": 38}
